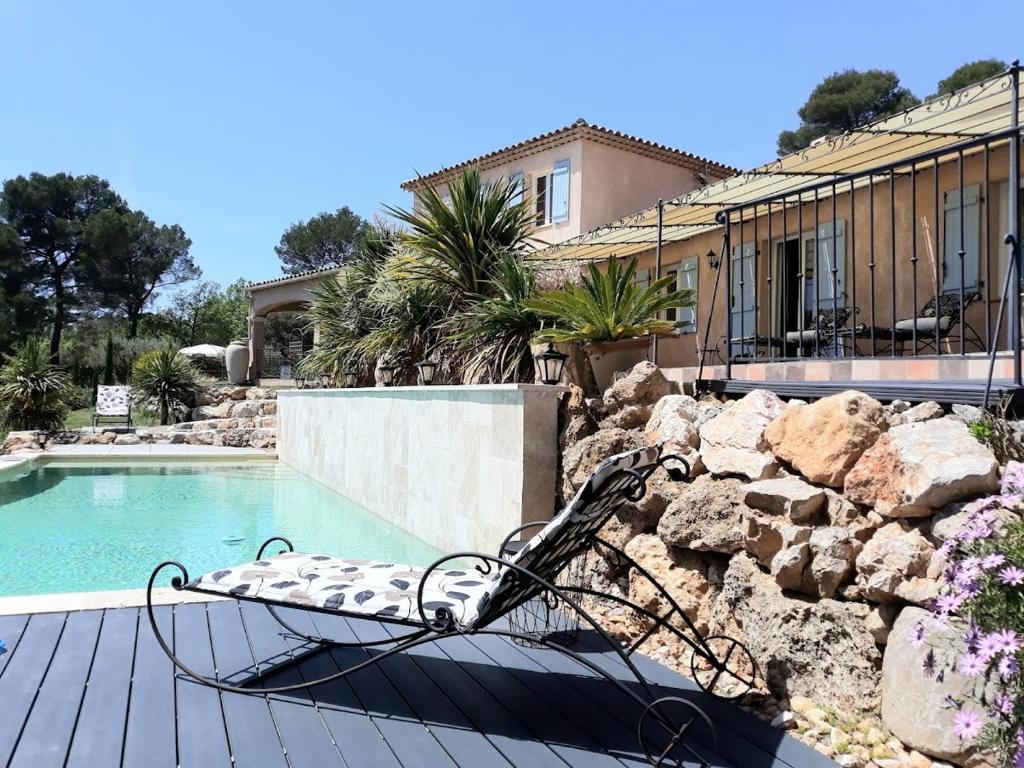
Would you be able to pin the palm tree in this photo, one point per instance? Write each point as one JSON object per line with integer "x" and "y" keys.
{"x": 34, "y": 393}
{"x": 608, "y": 305}
{"x": 168, "y": 379}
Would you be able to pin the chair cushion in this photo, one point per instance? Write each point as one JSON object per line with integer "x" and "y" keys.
{"x": 806, "y": 337}
{"x": 113, "y": 401}
{"x": 357, "y": 587}
{"x": 924, "y": 325}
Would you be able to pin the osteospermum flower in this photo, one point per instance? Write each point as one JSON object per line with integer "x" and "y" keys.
{"x": 1008, "y": 640}
{"x": 1012, "y": 576}
{"x": 971, "y": 665}
{"x": 1008, "y": 667}
{"x": 1003, "y": 704}
{"x": 1013, "y": 478}
{"x": 916, "y": 635}
{"x": 948, "y": 603}
{"x": 972, "y": 636}
{"x": 992, "y": 561}
{"x": 966, "y": 725}
{"x": 989, "y": 647}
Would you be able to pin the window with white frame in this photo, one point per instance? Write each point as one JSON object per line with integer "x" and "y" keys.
{"x": 518, "y": 182}
{"x": 551, "y": 195}
{"x": 685, "y": 274}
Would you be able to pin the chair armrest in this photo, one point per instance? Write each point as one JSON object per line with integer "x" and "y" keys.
{"x": 516, "y": 531}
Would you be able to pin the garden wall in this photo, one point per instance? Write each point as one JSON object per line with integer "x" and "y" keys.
{"x": 459, "y": 467}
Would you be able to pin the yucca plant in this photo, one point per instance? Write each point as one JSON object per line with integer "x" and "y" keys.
{"x": 608, "y": 305}
{"x": 492, "y": 334}
{"x": 168, "y": 380}
{"x": 34, "y": 393}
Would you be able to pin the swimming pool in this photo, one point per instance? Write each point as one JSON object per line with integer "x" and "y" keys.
{"x": 75, "y": 528}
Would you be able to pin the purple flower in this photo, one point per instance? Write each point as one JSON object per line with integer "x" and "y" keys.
{"x": 970, "y": 589}
{"x": 966, "y": 725}
{"x": 1003, "y": 705}
{"x": 1008, "y": 667}
{"x": 971, "y": 665}
{"x": 1013, "y": 478}
{"x": 989, "y": 647}
{"x": 972, "y": 636}
{"x": 992, "y": 561}
{"x": 916, "y": 635}
{"x": 1012, "y": 576}
{"x": 1008, "y": 641}
{"x": 928, "y": 665}
{"x": 948, "y": 603}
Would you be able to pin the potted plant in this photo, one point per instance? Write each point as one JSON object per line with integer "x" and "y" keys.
{"x": 612, "y": 316}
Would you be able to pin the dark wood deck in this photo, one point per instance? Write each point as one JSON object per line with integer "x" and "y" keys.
{"x": 92, "y": 688}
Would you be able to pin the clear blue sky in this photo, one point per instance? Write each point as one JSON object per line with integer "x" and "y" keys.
{"x": 236, "y": 118}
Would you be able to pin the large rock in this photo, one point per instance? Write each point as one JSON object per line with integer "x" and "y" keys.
{"x": 127, "y": 439}
{"x": 764, "y": 537}
{"x": 706, "y": 516}
{"x": 245, "y": 409}
{"x": 690, "y": 578}
{"x": 671, "y": 423}
{"x": 819, "y": 649}
{"x": 913, "y": 703}
{"x": 917, "y": 468}
{"x": 581, "y": 459}
{"x": 824, "y": 440}
{"x": 22, "y": 441}
{"x": 220, "y": 411}
{"x": 834, "y": 551}
{"x": 893, "y": 566}
{"x": 921, "y": 412}
{"x": 733, "y": 442}
{"x": 630, "y": 400}
{"x": 786, "y": 496}
{"x": 576, "y": 417}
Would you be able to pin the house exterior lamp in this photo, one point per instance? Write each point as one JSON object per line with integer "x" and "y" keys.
{"x": 712, "y": 258}
{"x": 427, "y": 369}
{"x": 350, "y": 377}
{"x": 550, "y": 363}
{"x": 387, "y": 375}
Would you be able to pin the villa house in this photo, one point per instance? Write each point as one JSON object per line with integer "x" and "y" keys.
{"x": 822, "y": 270}
{"x": 583, "y": 176}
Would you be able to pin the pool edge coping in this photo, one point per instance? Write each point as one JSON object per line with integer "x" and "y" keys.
{"x": 58, "y": 602}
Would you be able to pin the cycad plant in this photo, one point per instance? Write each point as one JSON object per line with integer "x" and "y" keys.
{"x": 608, "y": 305}
{"x": 167, "y": 379}
{"x": 34, "y": 393}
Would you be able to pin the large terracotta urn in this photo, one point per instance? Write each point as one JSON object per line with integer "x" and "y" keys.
{"x": 236, "y": 360}
{"x": 608, "y": 357}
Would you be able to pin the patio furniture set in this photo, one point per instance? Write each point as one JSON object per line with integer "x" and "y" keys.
{"x": 483, "y": 594}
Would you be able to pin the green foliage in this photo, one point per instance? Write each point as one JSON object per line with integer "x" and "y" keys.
{"x": 34, "y": 393}
{"x": 108, "y": 362}
{"x": 492, "y": 335}
{"x": 999, "y": 433}
{"x": 166, "y": 379}
{"x": 608, "y": 306}
{"x": 326, "y": 240}
{"x": 202, "y": 314}
{"x": 844, "y": 101}
{"x": 131, "y": 258}
{"x": 970, "y": 73}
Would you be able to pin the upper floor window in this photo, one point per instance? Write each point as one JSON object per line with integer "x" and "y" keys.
{"x": 551, "y": 198}
{"x": 519, "y": 184}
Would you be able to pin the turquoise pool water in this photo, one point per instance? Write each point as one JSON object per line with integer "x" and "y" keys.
{"x": 77, "y": 528}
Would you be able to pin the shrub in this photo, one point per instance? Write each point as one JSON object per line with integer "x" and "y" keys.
{"x": 608, "y": 305}
{"x": 983, "y": 593}
{"x": 167, "y": 380}
{"x": 34, "y": 393}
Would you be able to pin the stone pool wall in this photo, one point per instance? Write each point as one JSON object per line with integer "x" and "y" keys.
{"x": 459, "y": 467}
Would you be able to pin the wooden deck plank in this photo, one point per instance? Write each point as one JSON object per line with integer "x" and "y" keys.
{"x": 432, "y": 706}
{"x": 488, "y": 714}
{"x": 202, "y": 735}
{"x": 20, "y": 683}
{"x": 305, "y": 734}
{"x": 369, "y": 691}
{"x": 150, "y": 738}
{"x": 46, "y": 738}
{"x": 99, "y": 734}
{"x": 11, "y": 628}
{"x": 250, "y": 723}
{"x": 741, "y": 730}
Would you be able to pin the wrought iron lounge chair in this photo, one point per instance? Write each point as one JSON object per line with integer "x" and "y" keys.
{"x": 933, "y": 325}
{"x": 473, "y": 592}
{"x": 113, "y": 406}
{"x": 822, "y": 337}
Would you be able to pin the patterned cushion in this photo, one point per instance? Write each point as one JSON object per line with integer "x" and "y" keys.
{"x": 357, "y": 587}
{"x": 113, "y": 401}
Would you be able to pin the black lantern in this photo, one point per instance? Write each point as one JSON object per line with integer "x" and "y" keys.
{"x": 550, "y": 363}
{"x": 427, "y": 368}
{"x": 350, "y": 377}
{"x": 387, "y": 375}
{"x": 712, "y": 258}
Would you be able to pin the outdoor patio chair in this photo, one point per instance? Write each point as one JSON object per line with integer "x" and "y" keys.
{"x": 819, "y": 338}
{"x": 113, "y": 405}
{"x": 472, "y": 593}
{"x": 933, "y": 325}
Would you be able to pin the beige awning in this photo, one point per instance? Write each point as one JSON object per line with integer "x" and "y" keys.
{"x": 981, "y": 112}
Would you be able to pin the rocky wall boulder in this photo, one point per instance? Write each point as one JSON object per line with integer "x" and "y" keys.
{"x": 817, "y": 648}
{"x": 580, "y": 459}
{"x": 577, "y": 419}
{"x": 825, "y": 439}
{"x": 791, "y": 496}
{"x": 706, "y": 515}
{"x": 24, "y": 440}
{"x": 915, "y": 469}
{"x": 733, "y": 442}
{"x": 630, "y": 400}
{"x": 913, "y": 703}
{"x": 895, "y": 564}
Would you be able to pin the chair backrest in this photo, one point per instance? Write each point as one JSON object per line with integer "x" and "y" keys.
{"x": 113, "y": 400}
{"x": 949, "y": 306}
{"x": 831, "y": 319}
{"x": 570, "y": 532}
